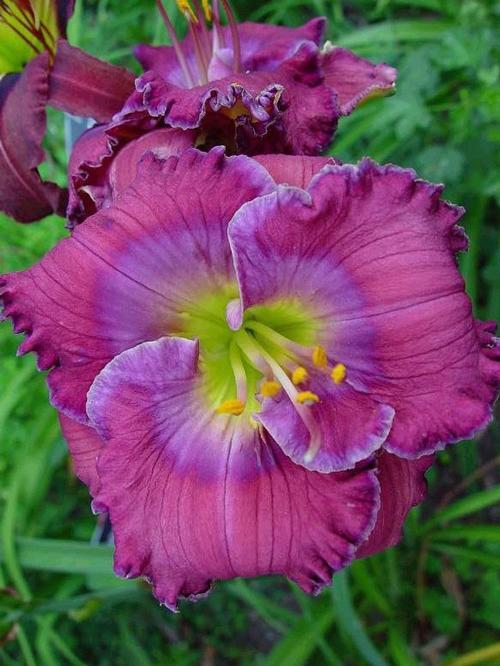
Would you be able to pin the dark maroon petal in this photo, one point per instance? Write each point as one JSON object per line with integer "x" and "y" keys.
{"x": 194, "y": 498}
{"x": 65, "y": 9}
{"x": 23, "y": 195}
{"x": 125, "y": 274}
{"x": 402, "y": 486}
{"x": 295, "y": 170}
{"x": 85, "y": 86}
{"x": 355, "y": 79}
{"x": 85, "y": 446}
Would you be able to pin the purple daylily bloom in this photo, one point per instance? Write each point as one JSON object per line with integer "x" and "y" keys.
{"x": 254, "y": 361}
{"x": 253, "y": 87}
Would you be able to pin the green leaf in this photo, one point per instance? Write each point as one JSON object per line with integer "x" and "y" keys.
{"x": 298, "y": 645}
{"x": 469, "y": 533}
{"x": 395, "y": 31}
{"x": 62, "y": 556}
{"x": 482, "y": 557}
{"x": 464, "y": 507}
{"x": 351, "y": 623}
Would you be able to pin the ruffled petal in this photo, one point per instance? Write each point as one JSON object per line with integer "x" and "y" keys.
{"x": 371, "y": 251}
{"x": 124, "y": 275}
{"x": 104, "y": 163}
{"x": 290, "y": 107}
{"x": 195, "y": 498}
{"x": 23, "y": 195}
{"x": 355, "y": 79}
{"x": 85, "y": 445}
{"x": 402, "y": 486}
{"x": 86, "y": 86}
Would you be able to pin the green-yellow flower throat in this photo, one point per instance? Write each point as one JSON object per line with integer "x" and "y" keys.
{"x": 275, "y": 350}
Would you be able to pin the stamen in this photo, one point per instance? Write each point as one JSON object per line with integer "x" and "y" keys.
{"x": 319, "y": 357}
{"x": 245, "y": 341}
{"x": 234, "y": 36}
{"x": 176, "y": 44}
{"x": 307, "y": 398}
{"x": 299, "y": 375}
{"x": 185, "y": 8}
{"x": 234, "y": 407}
{"x": 204, "y": 34}
{"x": 207, "y": 9}
{"x": 199, "y": 54}
{"x": 339, "y": 372}
{"x": 217, "y": 34}
{"x": 270, "y": 388}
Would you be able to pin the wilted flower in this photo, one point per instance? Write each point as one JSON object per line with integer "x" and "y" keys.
{"x": 252, "y": 87}
{"x": 239, "y": 365}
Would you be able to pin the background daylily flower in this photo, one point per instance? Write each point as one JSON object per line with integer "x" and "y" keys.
{"x": 57, "y": 75}
{"x": 225, "y": 347}
{"x": 273, "y": 80}
{"x": 254, "y": 87}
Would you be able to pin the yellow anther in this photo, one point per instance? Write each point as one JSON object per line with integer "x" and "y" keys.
{"x": 299, "y": 375}
{"x": 270, "y": 388}
{"x": 186, "y": 9}
{"x": 234, "y": 407}
{"x": 307, "y": 398}
{"x": 319, "y": 357}
{"x": 207, "y": 9}
{"x": 339, "y": 372}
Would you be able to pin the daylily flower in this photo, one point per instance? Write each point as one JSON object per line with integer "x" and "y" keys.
{"x": 253, "y": 87}
{"x": 272, "y": 81}
{"x": 252, "y": 376}
{"x": 56, "y": 74}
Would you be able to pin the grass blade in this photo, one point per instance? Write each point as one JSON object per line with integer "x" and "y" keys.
{"x": 350, "y": 622}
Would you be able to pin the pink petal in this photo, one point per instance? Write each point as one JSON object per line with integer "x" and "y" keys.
{"x": 85, "y": 446}
{"x": 370, "y": 251}
{"x": 195, "y": 497}
{"x": 295, "y": 170}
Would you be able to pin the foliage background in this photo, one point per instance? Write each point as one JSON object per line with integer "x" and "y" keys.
{"x": 432, "y": 600}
